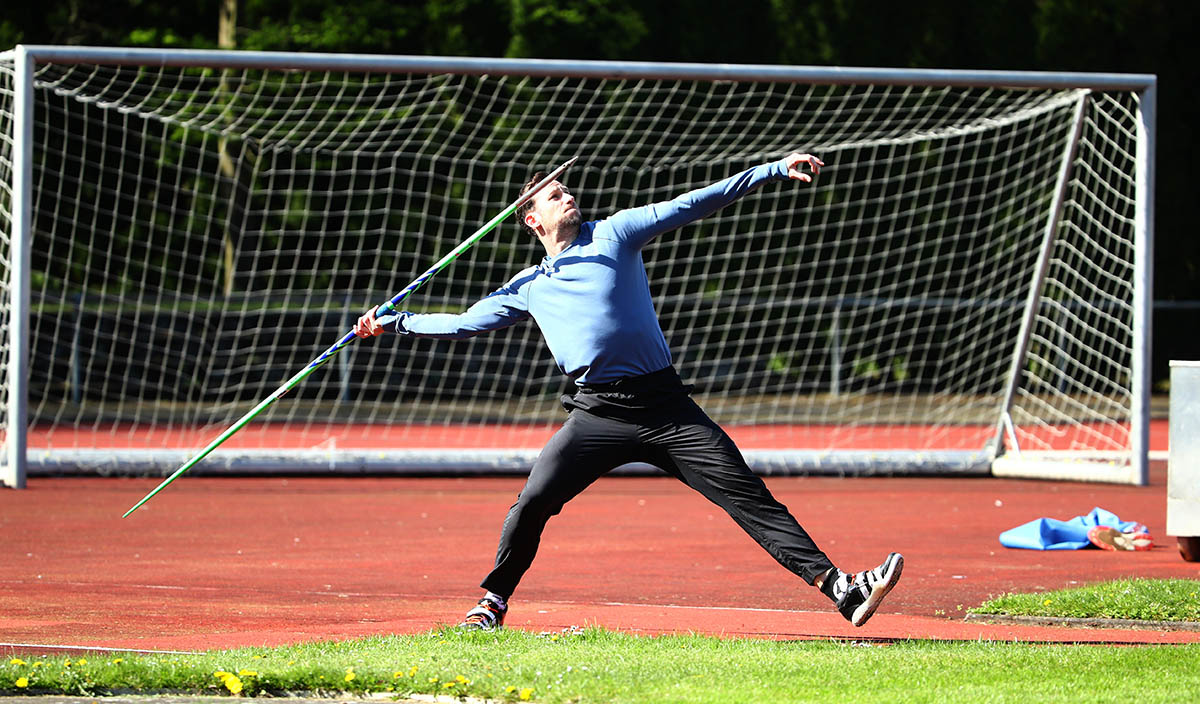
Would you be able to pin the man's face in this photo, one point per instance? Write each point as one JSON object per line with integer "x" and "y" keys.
{"x": 554, "y": 208}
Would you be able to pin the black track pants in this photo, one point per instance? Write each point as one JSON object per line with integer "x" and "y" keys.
{"x": 659, "y": 426}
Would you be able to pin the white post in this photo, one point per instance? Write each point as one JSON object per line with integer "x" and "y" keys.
{"x": 1143, "y": 288}
{"x": 13, "y": 471}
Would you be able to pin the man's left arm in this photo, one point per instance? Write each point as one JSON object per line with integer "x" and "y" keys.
{"x": 640, "y": 225}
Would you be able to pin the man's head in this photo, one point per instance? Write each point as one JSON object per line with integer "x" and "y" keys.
{"x": 552, "y": 209}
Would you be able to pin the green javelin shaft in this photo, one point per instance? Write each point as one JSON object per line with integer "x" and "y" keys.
{"x": 350, "y": 337}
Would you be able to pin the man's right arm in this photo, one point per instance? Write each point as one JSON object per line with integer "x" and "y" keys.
{"x": 507, "y": 306}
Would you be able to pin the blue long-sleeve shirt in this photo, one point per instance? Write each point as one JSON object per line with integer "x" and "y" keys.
{"x": 592, "y": 300}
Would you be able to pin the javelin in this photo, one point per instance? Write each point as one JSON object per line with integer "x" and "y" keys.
{"x": 350, "y": 337}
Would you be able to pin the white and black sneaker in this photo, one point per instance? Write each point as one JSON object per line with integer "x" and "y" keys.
{"x": 487, "y": 615}
{"x": 858, "y": 595}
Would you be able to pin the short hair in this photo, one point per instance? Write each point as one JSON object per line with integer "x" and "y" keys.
{"x": 528, "y": 205}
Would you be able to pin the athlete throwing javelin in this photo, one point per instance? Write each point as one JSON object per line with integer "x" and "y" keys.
{"x": 591, "y": 299}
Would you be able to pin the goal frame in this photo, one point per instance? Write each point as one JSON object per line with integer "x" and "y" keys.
{"x": 15, "y": 463}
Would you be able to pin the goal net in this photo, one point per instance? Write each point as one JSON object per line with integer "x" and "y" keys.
{"x": 959, "y": 291}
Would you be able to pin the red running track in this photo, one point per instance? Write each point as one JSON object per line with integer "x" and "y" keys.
{"x": 534, "y": 436}
{"x": 219, "y": 563}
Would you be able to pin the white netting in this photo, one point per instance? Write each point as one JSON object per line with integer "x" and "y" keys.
{"x": 7, "y": 95}
{"x": 201, "y": 234}
{"x": 1078, "y": 375}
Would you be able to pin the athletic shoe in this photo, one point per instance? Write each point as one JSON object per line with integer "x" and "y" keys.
{"x": 487, "y": 615}
{"x": 1109, "y": 538}
{"x": 858, "y": 595}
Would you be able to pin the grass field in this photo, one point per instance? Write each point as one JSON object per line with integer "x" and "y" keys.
{"x": 595, "y": 665}
{"x": 602, "y": 666}
{"x": 1137, "y": 599}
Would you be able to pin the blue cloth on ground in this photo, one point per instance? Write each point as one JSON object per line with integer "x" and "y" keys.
{"x": 1053, "y": 534}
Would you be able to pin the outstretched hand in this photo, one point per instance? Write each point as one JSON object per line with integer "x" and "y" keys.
{"x": 795, "y": 166}
{"x": 368, "y": 325}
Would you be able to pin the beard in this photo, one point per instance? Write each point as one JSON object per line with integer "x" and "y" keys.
{"x": 572, "y": 219}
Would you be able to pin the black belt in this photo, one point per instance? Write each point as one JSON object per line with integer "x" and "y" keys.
{"x": 663, "y": 378}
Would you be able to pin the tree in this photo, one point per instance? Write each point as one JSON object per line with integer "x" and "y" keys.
{"x": 592, "y": 29}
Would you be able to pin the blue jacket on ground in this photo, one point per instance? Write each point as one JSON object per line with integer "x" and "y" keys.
{"x": 1053, "y": 534}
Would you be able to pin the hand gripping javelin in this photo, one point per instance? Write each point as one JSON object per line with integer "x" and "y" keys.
{"x": 350, "y": 337}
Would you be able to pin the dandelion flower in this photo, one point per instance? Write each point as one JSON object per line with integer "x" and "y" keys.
{"x": 116, "y": 661}
{"x": 22, "y": 682}
{"x": 448, "y": 685}
{"x": 350, "y": 676}
{"x": 462, "y": 680}
{"x": 81, "y": 661}
{"x": 526, "y": 694}
{"x": 247, "y": 673}
{"x": 510, "y": 689}
{"x": 230, "y": 680}
{"x": 17, "y": 661}
{"x": 1046, "y": 602}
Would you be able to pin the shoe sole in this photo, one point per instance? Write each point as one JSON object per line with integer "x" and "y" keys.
{"x": 1109, "y": 538}
{"x": 881, "y": 589}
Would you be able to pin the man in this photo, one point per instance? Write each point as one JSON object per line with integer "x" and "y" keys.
{"x": 591, "y": 299}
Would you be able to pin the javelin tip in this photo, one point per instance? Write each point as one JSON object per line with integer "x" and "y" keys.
{"x": 566, "y": 165}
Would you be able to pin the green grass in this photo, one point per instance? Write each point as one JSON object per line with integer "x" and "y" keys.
{"x": 1139, "y": 599}
{"x": 602, "y": 666}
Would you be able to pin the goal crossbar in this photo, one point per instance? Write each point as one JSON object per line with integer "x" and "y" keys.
{"x": 828, "y": 75}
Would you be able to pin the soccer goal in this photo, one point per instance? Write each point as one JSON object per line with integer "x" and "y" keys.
{"x": 965, "y": 289}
